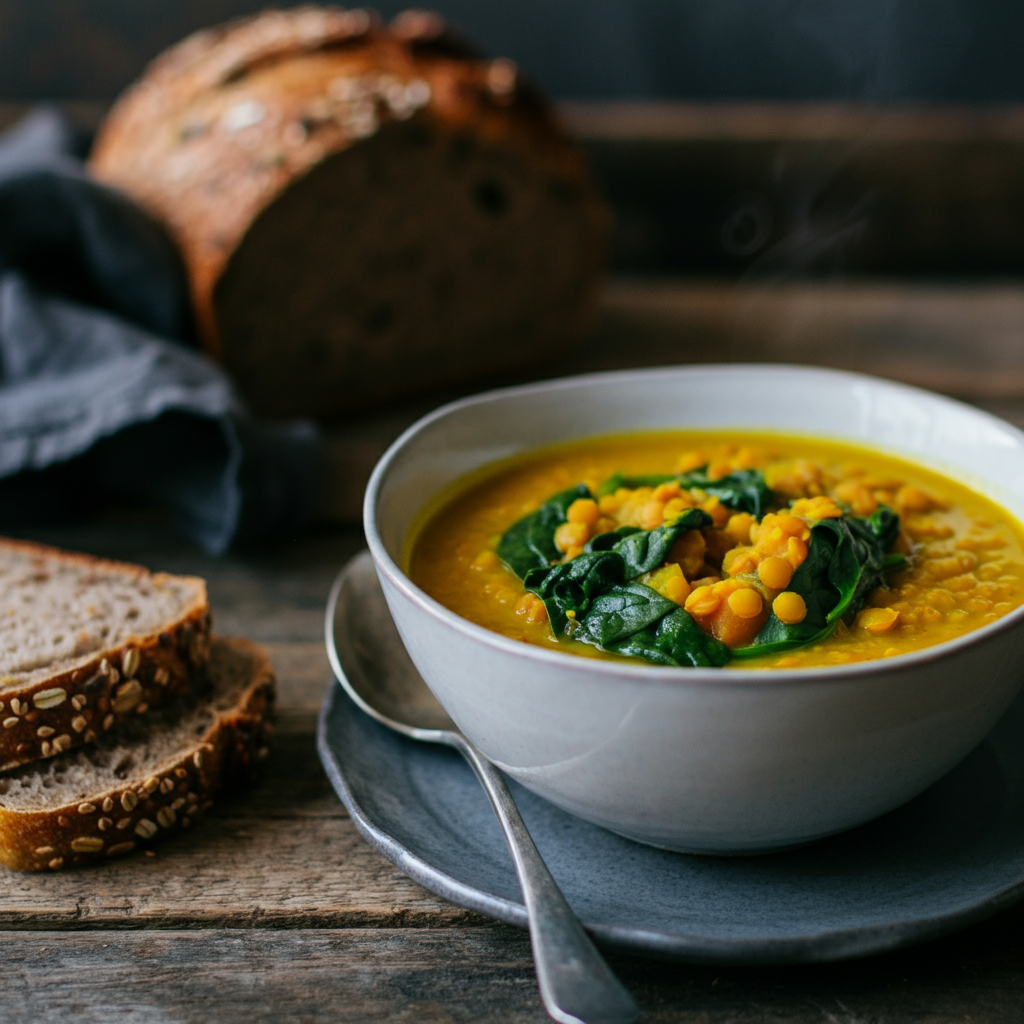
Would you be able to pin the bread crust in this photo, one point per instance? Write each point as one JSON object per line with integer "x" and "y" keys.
{"x": 139, "y": 813}
{"x": 222, "y": 124}
{"x": 95, "y": 693}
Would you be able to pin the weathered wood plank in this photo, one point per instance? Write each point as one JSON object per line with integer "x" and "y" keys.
{"x": 673, "y": 121}
{"x": 477, "y": 975}
{"x": 234, "y": 871}
{"x": 961, "y": 339}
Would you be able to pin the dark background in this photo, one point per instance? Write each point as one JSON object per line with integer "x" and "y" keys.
{"x": 874, "y": 50}
{"x": 885, "y": 174}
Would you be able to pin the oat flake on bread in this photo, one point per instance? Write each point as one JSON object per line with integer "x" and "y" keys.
{"x": 365, "y": 211}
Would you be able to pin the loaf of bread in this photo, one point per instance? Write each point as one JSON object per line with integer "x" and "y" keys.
{"x": 88, "y": 644}
{"x": 365, "y": 212}
{"x": 155, "y": 776}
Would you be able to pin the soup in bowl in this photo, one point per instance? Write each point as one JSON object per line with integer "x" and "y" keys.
{"x": 587, "y": 571}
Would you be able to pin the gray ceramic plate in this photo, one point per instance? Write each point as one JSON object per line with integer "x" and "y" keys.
{"x": 949, "y": 858}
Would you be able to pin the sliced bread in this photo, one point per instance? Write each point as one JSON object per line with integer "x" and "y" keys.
{"x": 152, "y": 777}
{"x": 86, "y": 644}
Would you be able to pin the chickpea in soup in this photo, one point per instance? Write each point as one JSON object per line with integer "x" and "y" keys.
{"x": 693, "y": 549}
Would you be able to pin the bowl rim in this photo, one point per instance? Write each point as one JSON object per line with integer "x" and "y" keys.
{"x": 662, "y": 674}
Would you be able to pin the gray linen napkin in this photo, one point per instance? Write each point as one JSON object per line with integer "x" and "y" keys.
{"x": 102, "y": 392}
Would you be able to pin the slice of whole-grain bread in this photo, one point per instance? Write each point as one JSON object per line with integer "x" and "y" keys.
{"x": 86, "y": 644}
{"x": 151, "y": 778}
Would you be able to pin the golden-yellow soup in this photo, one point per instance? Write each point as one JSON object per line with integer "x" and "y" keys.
{"x": 965, "y": 554}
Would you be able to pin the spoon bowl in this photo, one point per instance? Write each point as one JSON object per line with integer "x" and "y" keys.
{"x": 391, "y": 690}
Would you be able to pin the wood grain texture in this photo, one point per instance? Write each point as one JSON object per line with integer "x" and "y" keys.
{"x": 961, "y": 338}
{"x": 472, "y": 976}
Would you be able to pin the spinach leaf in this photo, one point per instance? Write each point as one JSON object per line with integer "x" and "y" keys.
{"x": 621, "y": 611}
{"x": 645, "y": 550}
{"x": 617, "y": 480}
{"x": 675, "y": 639}
{"x": 846, "y": 558}
{"x": 745, "y": 490}
{"x": 571, "y": 586}
{"x": 530, "y": 543}
{"x": 606, "y": 541}
{"x": 884, "y": 524}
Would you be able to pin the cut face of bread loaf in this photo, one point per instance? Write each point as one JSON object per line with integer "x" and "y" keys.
{"x": 86, "y": 644}
{"x": 365, "y": 212}
{"x": 154, "y": 776}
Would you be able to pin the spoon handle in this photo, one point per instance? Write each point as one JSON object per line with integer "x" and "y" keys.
{"x": 576, "y": 985}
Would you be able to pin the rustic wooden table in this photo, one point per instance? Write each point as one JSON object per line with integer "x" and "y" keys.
{"x": 275, "y": 909}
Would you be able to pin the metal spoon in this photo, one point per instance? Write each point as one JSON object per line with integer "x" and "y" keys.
{"x": 576, "y": 985}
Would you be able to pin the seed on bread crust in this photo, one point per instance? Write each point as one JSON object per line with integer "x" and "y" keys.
{"x": 94, "y": 683}
{"x": 129, "y": 800}
{"x": 46, "y": 699}
{"x": 130, "y": 662}
{"x": 87, "y": 844}
{"x": 127, "y": 696}
{"x": 146, "y": 829}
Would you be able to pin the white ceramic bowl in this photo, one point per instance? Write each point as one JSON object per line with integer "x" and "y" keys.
{"x": 705, "y": 760}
